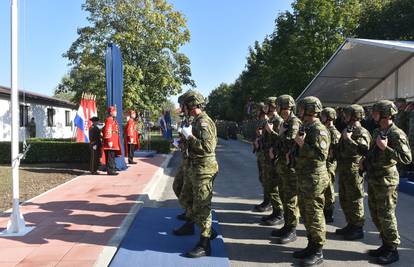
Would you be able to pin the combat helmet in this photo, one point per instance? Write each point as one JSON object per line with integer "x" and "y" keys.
{"x": 271, "y": 101}
{"x": 385, "y": 108}
{"x": 286, "y": 102}
{"x": 311, "y": 105}
{"x": 194, "y": 98}
{"x": 329, "y": 113}
{"x": 355, "y": 111}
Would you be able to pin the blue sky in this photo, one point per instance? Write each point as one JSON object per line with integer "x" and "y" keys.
{"x": 221, "y": 32}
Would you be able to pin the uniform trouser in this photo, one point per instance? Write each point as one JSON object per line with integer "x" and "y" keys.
{"x": 260, "y": 164}
{"x": 179, "y": 178}
{"x": 110, "y": 161}
{"x": 197, "y": 193}
{"x": 382, "y": 201}
{"x": 131, "y": 150}
{"x": 351, "y": 193}
{"x": 271, "y": 184}
{"x": 312, "y": 188}
{"x": 330, "y": 191}
{"x": 94, "y": 160}
{"x": 288, "y": 193}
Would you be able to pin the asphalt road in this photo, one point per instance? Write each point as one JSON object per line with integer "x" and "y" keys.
{"x": 237, "y": 190}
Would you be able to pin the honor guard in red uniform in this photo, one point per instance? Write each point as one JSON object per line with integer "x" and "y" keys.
{"x": 112, "y": 145}
{"x": 131, "y": 136}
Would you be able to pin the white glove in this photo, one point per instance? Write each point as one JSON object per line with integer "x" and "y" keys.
{"x": 110, "y": 144}
{"x": 187, "y": 132}
{"x": 180, "y": 130}
{"x": 94, "y": 147}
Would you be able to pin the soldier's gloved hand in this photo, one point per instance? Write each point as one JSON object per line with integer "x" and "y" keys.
{"x": 94, "y": 147}
{"x": 180, "y": 130}
{"x": 110, "y": 144}
{"x": 187, "y": 132}
{"x": 300, "y": 140}
{"x": 269, "y": 127}
{"x": 131, "y": 140}
{"x": 382, "y": 143}
{"x": 346, "y": 135}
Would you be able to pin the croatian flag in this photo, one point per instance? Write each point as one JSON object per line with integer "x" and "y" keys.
{"x": 81, "y": 122}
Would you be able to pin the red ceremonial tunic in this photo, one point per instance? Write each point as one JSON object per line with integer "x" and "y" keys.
{"x": 111, "y": 134}
{"x": 131, "y": 132}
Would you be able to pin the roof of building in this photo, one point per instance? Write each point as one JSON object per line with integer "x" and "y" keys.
{"x": 357, "y": 68}
{"x": 30, "y": 96}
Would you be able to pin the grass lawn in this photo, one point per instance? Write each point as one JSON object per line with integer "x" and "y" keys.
{"x": 33, "y": 182}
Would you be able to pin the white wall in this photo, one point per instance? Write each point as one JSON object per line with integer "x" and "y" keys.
{"x": 39, "y": 112}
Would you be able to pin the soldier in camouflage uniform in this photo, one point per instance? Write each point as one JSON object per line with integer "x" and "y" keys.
{"x": 389, "y": 147}
{"x": 328, "y": 116}
{"x": 283, "y": 144}
{"x": 270, "y": 179}
{"x": 258, "y": 150}
{"x": 313, "y": 142}
{"x": 352, "y": 147}
{"x": 201, "y": 136}
{"x": 183, "y": 168}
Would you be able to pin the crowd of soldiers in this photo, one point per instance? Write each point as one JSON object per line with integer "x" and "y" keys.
{"x": 300, "y": 152}
{"x": 193, "y": 183}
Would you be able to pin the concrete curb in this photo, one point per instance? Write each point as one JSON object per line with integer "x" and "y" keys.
{"x": 111, "y": 248}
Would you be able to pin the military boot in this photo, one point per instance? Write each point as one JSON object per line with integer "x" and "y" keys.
{"x": 186, "y": 229}
{"x": 183, "y": 217}
{"x": 376, "y": 252}
{"x": 328, "y": 215}
{"x": 300, "y": 254}
{"x": 354, "y": 233}
{"x": 275, "y": 218}
{"x": 343, "y": 231}
{"x": 278, "y": 232}
{"x": 264, "y": 206}
{"x": 388, "y": 256}
{"x": 288, "y": 236}
{"x": 314, "y": 255}
{"x": 202, "y": 248}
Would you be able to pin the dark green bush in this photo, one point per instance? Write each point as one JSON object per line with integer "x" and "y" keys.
{"x": 47, "y": 150}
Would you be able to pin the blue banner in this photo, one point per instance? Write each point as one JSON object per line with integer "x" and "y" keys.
{"x": 114, "y": 92}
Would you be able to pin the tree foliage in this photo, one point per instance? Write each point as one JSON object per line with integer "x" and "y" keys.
{"x": 303, "y": 40}
{"x": 149, "y": 33}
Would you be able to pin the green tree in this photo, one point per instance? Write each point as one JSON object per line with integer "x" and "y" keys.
{"x": 149, "y": 33}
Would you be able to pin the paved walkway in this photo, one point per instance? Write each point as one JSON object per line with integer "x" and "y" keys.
{"x": 74, "y": 222}
{"x": 237, "y": 190}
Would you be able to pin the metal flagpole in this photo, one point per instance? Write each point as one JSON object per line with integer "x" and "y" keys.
{"x": 16, "y": 225}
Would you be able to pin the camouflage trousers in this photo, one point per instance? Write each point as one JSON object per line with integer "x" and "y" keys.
{"x": 288, "y": 193}
{"x": 382, "y": 201}
{"x": 351, "y": 193}
{"x": 197, "y": 193}
{"x": 311, "y": 198}
{"x": 330, "y": 191}
{"x": 179, "y": 177}
{"x": 271, "y": 184}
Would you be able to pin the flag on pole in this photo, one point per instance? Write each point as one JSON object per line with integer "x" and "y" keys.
{"x": 81, "y": 122}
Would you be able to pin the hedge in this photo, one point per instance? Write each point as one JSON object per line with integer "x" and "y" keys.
{"x": 62, "y": 151}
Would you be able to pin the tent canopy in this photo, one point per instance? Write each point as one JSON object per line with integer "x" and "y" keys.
{"x": 364, "y": 71}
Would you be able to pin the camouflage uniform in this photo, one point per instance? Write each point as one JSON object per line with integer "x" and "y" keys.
{"x": 383, "y": 179}
{"x": 331, "y": 164}
{"x": 351, "y": 183}
{"x": 313, "y": 179}
{"x": 198, "y": 185}
{"x": 260, "y": 156}
{"x": 270, "y": 179}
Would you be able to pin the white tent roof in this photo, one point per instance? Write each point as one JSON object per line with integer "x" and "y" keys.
{"x": 359, "y": 67}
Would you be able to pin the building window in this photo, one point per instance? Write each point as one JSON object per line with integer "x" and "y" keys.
{"x": 24, "y": 115}
{"x": 68, "y": 122}
{"x": 51, "y": 117}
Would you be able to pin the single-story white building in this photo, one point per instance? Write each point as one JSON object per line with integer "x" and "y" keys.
{"x": 53, "y": 117}
{"x": 364, "y": 71}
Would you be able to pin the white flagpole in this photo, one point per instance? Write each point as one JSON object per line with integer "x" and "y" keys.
{"x": 16, "y": 224}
